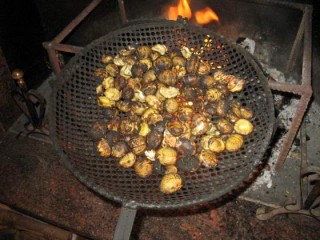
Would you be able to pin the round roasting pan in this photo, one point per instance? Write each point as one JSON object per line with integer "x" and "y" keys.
{"x": 75, "y": 110}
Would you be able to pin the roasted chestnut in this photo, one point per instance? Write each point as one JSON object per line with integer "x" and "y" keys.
{"x": 151, "y": 116}
{"x": 243, "y": 126}
{"x": 119, "y": 149}
{"x": 185, "y": 114}
{"x": 154, "y": 139}
{"x": 160, "y": 48}
{"x": 169, "y": 140}
{"x": 170, "y": 183}
{"x": 191, "y": 80}
{"x": 149, "y": 89}
{"x": 179, "y": 61}
{"x": 171, "y": 105}
{"x": 127, "y": 93}
{"x": 186, "y": 147}
{"x": 154, "y": 102}
{"x": 216, "y": 144}
{"x": 143, "y": 51}
{"x": 125, "y": 71}
{"x": 167, "y": 156}
{"x": 112, "y": 94}
{"x": 138, "y": 108}
{"x": 97, "y": 131}
{"x": 207, "y": 81}
{"x": 162, "y": 63}
{"x": 120, "y": 82}
{"x": 100, "y": 73}
{"x": 188, "y": 163}
{"x": 234, "y": 143}
{"x": 193, "y": 64}
{"x": 169, "y": 92}
{"x": 235, "y": 84}
{"x": 123, "y": 106}
{"x": 149, "y": 76}
{"x": 224, "y": 126}
{"x": 112, "y": 69}
{"x": 108, "y": 82}
{"x": 138, "y": 144}
{"x": 246, "y": 113}
{"x": 113, "y": 124}
{"x": 204, "y": 68}
{"x": 138, "y": 69}
{"x": 143, "y": 168}
{"x": 106, "y": 58}
{"x": 199, "y": 125}
{"x": 128, "y": 127}
{"x": 185, "y": 51}
{"x": 168, "y": 77}
{"x": 144, "y": 129}
{"x": 103, "y": 148}
{"x": 214, "y": 94}
{"x": 103, "y": 101}
{"x": 175, "y": 127}
{"x": 112, "y": 137}
{"x": 128, "y": 160}
{"x": 208, "y": 158}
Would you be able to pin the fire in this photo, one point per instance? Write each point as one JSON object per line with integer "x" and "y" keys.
{"x": 183, "y": 9}
{"x": 203, "y": 16}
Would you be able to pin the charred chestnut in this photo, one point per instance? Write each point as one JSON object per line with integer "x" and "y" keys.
{"x": 154, "y": 139}
{"x": 119, "y": 149}
{"x": 168, "y": 77}
{"x": 224, "y": 126}
{"x": 186, "y": 147}
{"x": 128, "y": 127}
{"x": 97, "y": 131}
{"x": 143, "y": 51}
{"x": 162, "y": 63}
{"x": 175, "y": 127}
{"x": 120, "y": 82}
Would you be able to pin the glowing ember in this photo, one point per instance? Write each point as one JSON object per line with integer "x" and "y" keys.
{"x": 206, "y": 16}
{"x": 183, "y": 9}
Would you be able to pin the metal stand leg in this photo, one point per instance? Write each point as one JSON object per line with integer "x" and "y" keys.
{"x": 125, "y": 223}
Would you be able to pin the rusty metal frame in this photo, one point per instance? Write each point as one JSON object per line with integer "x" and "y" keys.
{"x": 56, "y": 45}
{"x": 303, "y": 37}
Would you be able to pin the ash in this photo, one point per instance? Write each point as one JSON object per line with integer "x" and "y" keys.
{"x": 285, "y": 108}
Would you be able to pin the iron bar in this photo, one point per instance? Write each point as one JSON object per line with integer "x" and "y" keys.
{"x": 75, "y": 22}
{"x": 123, "y": 14}
{"x": 296, "y": 45}
{"x": 125, "y": 223}
{"x": 307, "y": 91}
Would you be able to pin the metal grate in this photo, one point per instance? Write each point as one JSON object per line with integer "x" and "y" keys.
{"x": 76, "y": 110}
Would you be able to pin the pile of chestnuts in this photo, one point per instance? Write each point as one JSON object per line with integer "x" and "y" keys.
{"x": 167, "y": 112}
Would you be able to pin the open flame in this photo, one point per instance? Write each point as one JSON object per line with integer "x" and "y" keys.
{"x": 183, "y": 9}
{"x": 203, "y": 16}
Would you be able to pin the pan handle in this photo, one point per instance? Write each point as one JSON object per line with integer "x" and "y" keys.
{"x": 125, "y": 223}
